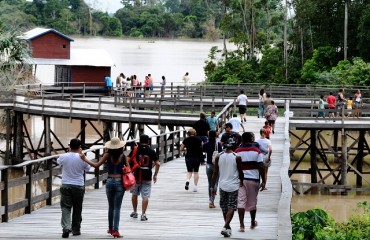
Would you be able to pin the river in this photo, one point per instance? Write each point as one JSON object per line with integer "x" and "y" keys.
{"x": 172, "y": 58}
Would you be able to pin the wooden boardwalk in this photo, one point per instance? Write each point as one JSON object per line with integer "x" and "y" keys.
{"x": 173, "y": 213}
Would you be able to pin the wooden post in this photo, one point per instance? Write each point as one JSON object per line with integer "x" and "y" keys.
{"x": 140, "y": 128}
{"x": 83, "y": 132}
{"x": 5, "y": 195}
{"x": 335, "y": 145}
{"x": 28, "y": 208}
{"x": 163, "y": 139}
{"x": 343, "y": 171}
{"x": 7, "y": 160}
{"x": 107, "y": 131}
{"x": 47, "y": 140}
{"x": 49, "y": 183}
{"x": 360, "y": 157}
{"x": 119, "y": 130}
{"x": 97, "y": 171}
{"x": 313, "y": 157}
{"x": 18, "y": 146}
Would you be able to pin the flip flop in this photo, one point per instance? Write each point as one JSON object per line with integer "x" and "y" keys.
{"x": 241, "y": 229}
{"x": 255, "y": 225}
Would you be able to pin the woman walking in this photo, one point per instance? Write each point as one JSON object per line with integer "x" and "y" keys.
{"x": 115, "y": 159}
{"x": 357, "y": 103}
{"x": 210, "y": 148}
{"x": 271, "y": 115}
{"x": 261, "y": 100}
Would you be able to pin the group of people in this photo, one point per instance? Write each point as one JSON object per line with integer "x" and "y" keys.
{"x": 130, "y": 86}
{"x": 74, "y": 163}
{"x": 239, "y": 170}
{"x": 339, "y": 103}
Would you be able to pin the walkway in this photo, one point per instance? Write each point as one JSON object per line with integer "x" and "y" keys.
{"x": 173, "y": 213}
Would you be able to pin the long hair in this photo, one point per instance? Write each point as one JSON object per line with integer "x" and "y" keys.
{"x": 262, "y": 91}
{"x": 115, "y": 155}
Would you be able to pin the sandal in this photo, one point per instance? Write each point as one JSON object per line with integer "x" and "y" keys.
{"x": 254, "y": 225}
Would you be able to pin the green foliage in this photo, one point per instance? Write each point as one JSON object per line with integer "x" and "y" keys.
{"x": 317, "y": 225}
{"x": 305, "y": 224}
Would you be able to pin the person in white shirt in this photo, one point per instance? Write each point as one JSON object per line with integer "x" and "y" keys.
{"x": 242, "y": 103}
{"x": 265, "y": 144}
{"x": 72, "y": 190}
{"x": 228, "y": 171}
{"x": 186, "y": 80}
{"x": 235, "y": 121}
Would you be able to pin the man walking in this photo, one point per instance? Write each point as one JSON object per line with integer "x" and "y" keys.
{"x": 253, "y": 168}
{"x": 213, "y": 121}
{"x": 202, "y": 127}
{"x": 228, "y": 171}
{"x": 235, "y": 121}
{"x": 146, "y": 158}
{"x": 242, "y": 102}
{"x": 72, "y": 190}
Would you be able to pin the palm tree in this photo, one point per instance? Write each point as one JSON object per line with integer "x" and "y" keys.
{"x": 14, "y": 58}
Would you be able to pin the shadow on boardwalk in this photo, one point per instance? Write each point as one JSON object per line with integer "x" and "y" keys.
{"x": 173, "y": 213}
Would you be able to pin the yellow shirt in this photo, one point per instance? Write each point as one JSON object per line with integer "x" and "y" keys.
{"x": 349, "y": 103}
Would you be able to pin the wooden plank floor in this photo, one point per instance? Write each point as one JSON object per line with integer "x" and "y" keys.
{"x": 173, "y": 213}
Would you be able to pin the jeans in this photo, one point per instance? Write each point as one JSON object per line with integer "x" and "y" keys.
{"x": 115, "y": 192}
{"x": 71, "y": 198}
{"x": 209, "y": 171}
{"x": 261, "y": 109}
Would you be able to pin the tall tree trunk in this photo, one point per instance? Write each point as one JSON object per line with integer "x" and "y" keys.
{"x": 224, "y": 35}
{"x": 286, "y": 40}
{"x": 302, "y": 47}
{"x": 253, "y": 29}
{"x": 345, "y": 45}
{"x": 243, "y": 7}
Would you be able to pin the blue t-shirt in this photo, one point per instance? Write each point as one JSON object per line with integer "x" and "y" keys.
{"x": 108, "y": 82}
{"x": 212, "y": 122}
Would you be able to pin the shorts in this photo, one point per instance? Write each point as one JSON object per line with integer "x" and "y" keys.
{"x": 267, "y": 164}
{"x": 228, "y": 200}
{"x": 109, "y": 89}
{"x": 247, "y": 195}
{"x": 192, "y": 164}
{"x": 271, "y": 122}
{"x": 242, "y": 109}
{"x": 143, "y": 188}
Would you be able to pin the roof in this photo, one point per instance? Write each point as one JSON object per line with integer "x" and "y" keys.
{"x": 79, "y": 57}
{"x": 37, "y": 32}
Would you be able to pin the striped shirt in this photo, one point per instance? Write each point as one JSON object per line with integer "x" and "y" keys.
{"x": 251, "y": 156}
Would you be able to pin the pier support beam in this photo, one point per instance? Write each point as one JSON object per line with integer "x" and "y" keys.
{"x": 313, "y": 157}
{"x": 18, "y": 139}
{"x": 343, "y": 171}
{"x": 107, "y": 131}
{"x": 360, "y": 157}
{"x": 47, "y": 139}
{"x": 8, "y": 137}
{"x": 83, "y": 132}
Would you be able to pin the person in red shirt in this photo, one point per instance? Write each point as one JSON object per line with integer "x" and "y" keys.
{"x": 268, "y": 129}
{"x": 331, "y": 100}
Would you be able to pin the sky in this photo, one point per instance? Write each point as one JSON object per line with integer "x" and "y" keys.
{"x": 110, "y": 6}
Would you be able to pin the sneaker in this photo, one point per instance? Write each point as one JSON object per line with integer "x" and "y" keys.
{"x": 211, "y": 205}
{"x": 66, "y": 233}
{"x": 77, "y": 233}
{"x": 187, "y": 185}
{"x": 226, "y": 232}
{"x": 133, "y": 215}
{"x": 144, "y": 218}
{"x": 195, "y": 188}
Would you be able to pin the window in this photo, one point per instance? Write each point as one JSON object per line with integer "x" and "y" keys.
{"x": 64, "y": 46}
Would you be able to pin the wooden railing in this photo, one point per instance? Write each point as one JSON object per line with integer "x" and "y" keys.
{"x": 166, "y": 145}
{"x": 281, "y": 91}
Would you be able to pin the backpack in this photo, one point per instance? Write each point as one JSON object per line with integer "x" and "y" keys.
{"x": 215, "y": 153}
